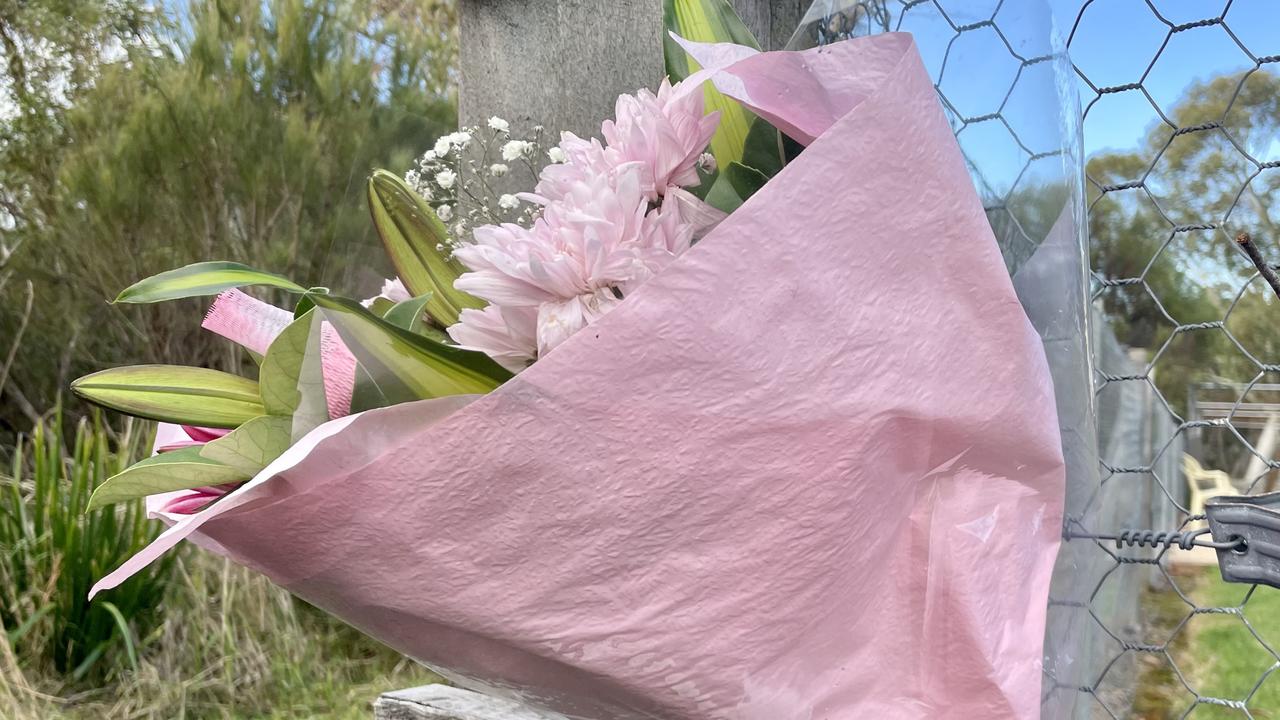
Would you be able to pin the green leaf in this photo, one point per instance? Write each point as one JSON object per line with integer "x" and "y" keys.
{"x": 177, "y": 470}
{"x": 745, "y": 180}
{"x": 130, "y": 646}
{"x": 304, "y": 302}
{"x": 763, "y": 149}
{"x": 203, "y": 278}
{"x": 174, "y": 393}
{"x": 405, "y": 313}
{"x": 380, "y": 306}
{"x": 252, "y": 446}
{"x": 412, "y": 233}
{"x": 709, "y": 21}
{"x": 404, "y": 366}
{"x": 722, "y": 196}
{"x": 291, "y": 380}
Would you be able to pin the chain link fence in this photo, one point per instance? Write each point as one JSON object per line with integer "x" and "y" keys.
{"x": 1179, "y": 110}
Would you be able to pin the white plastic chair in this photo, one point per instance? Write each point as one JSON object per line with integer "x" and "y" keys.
{"x": 1204, "y": 484}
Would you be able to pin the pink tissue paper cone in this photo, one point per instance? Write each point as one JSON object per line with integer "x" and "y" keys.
{"x": 811, "y": 470}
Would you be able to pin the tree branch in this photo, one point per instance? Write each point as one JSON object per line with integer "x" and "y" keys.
{"x": 1268, "y": 274}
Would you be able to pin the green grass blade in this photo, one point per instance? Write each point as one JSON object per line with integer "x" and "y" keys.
{"x": 174, "y": 393}
{"x": 89, "y": 661}
{"x": 202, "y": 278}
{"x": 131, "y": 650}
{"x": 15, "y": 635}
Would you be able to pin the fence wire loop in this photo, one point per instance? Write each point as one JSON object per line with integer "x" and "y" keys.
{"x": 1185, "y": 540}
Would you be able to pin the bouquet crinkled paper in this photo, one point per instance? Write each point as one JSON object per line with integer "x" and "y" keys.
{"x": 809, "y": 471}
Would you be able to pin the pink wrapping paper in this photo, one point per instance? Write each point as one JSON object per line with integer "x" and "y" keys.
{"x": 812, "y": 470}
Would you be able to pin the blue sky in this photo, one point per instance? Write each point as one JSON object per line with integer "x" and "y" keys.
{"x": 1116, "y": 40}
{"x": 1114, "y": 44}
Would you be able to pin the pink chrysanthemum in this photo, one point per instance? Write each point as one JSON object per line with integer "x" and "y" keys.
{"x": 595, "y": 244}
{"x": 613, "y": 216}
{"x": 666, "y": 133}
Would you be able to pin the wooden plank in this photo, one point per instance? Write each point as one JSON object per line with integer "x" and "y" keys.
{"x": 442, "y": 702}
{"x": 771, "y": 21}
{"x": 562, "y": 63}
{"x": 556, "y": 63}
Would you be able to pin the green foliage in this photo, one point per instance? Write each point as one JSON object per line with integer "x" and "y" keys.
{"x": 200, "y": 280}
{"x": 51, "y": 550}
{"x": 252, "y": 446}
{"x": 416, "y": 242}
{"x": 236, "y": 128}
{"x": 709, "y": 21}
{"x": 177, "y": 470}
{"x": 291, "y": 381}
{"x": 1195, "y": 275}
{"x": 397, "y": 365}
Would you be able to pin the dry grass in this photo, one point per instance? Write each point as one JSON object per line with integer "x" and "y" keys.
{"x": 193, "y": 637}
{"x": 229, "y": 645}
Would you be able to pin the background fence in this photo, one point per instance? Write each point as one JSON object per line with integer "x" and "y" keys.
{"x": 1178, "y": 130}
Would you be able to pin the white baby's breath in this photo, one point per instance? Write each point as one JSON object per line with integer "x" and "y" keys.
{"x": 457, "y": 176}
{"x": 707, "y": 162}
{"x": 557, "y": 155}
{"x": 515, "y": 149}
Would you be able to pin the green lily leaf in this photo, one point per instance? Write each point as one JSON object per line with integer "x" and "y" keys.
{"x": 203, "y": 278}
{"x": 735, "y": 184}
{"x": 709, "y": 21}
{"x": 291, "y": 379}
{"x": 380, "y": 306}
{"x": 763, "y": 150}
{"x": 404, "y": 366}
{"x": 412, "y": 233}
{"x": 405, "y": 313}
{"x": 178, "y": 470}
{"x": 252, "y": 446}
{"x": 174, "y": 393}
{"x": 304, "y": 302}
{"x": 722, "y": 196}
{"x": 745, "y": 180}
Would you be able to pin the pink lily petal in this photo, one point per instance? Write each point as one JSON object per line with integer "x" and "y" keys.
{"x": 204, "y": 434}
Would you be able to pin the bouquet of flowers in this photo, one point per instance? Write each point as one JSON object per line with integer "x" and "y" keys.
{"x": 733, "y": 414}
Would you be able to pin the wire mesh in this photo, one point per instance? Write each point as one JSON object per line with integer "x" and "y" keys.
{"x": 1181, "y": 118}
{"x": 1183, "y": 334}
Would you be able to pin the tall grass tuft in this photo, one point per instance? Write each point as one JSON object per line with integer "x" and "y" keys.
{"x": 194, "y": 637}
{"x": 51, "y": 551}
